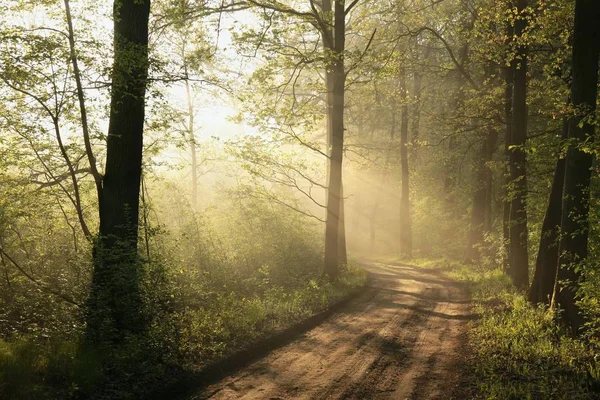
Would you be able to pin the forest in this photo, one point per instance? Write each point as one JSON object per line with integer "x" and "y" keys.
{"x": 299, "y": 199}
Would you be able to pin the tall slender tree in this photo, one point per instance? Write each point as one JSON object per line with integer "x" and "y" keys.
{"x": 517, "y": 159}
{"x": 335, "y": 43}
{"x": 326, "y": 34}
{"x": 542, "y": 285}
{"x": 574, "y": 223}
{"x": 508, "y": 72}
{"x": 115, "y": 304}
{"x": 482, "y": 197}
{"x": 405, "y": 223}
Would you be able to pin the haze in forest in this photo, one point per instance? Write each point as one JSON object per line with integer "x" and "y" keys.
{"x": 200, "y": 192}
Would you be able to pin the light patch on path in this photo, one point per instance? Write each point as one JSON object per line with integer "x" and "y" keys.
{"x": 401, "y": 339}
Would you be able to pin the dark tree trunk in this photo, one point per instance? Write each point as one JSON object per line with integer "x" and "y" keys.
{"x": 342, "y": 252}
{"x": 518, "y": 172}
{"x": 334, "y": 192}
{"x": 115, "y": 304}
{"x": 329, "y": 82}
{"x": 405, "y": 223}
{"x": 578, "y": 163}
{"x": 481, "y": 211}
{"x": 546, "y": 265}
{"x": 508, "y": 94}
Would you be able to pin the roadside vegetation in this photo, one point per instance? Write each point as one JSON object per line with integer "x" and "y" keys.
{"x": 181, "y": 179}
{"x": 207, "y": 300}
{"x": 518, "y": 350}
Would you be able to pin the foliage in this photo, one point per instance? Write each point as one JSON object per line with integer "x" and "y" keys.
{"x": 519, "y": 352}
{"x": 212, "y": 287}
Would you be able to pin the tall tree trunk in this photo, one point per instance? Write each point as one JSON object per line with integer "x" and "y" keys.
{"x": 416, "y": 110}
{"x": 542, "y": 285}
{"x": 518, "y": 171}
{"x": 405, "y": 223}
{"x": 192, "y": 140}
{"x": 416, "y": 106}
{"x": 115, "y": 304}
{"x": 329, "y": 83}
{"x": 334, "y": 192}
{"x": 373, "y": 225}
{"x": 385, "y": 182}
{"x": 342, "y": 253}
{"x": 578, "y": 163}
{"x": 482, "y": 197}
{"x": 508, "y": 94}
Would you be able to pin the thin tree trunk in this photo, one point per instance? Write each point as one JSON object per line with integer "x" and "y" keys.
{"x": 518, "y": 171}
{"x": 508, "y": 94}
{"x": 416, "y": 110}
{"x": 574, "y": 225}
{"x": 74, "y": 181}
{"x": 481, "y": 211}
{"x": 334, "y": 193}
{"x": 192, "y": 141}
{"x": 546, "y": 265}
{"x": 451, "y": 164}
{"x": 115, "y": 303}
{"x": 81, "y": 99}
{"x": 405, "y": 223}
{"x": 342, "y": 253}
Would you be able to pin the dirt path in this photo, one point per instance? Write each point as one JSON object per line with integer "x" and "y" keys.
{"x": 401, "y": 339}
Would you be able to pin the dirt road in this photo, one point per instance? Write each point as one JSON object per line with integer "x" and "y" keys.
{"x": 402, "y": 339}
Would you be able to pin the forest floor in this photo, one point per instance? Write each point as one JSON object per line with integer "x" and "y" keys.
{"x": 403, "y": 338}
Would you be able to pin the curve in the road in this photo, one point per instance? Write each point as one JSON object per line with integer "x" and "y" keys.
{"x": 401, "y": 339}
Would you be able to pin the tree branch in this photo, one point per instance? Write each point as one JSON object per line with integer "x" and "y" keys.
{"x": 38, "y": 283}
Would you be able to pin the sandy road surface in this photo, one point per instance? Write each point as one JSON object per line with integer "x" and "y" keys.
{"x": 402, "y": 339}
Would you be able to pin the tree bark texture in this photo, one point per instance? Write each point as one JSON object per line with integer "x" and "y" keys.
{"x": 115, "y": 304}
{"x": 574, "y": 224}
{"x": 334, "y": 192}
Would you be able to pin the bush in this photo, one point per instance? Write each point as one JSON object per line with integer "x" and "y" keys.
{"x": 212, "y": 285}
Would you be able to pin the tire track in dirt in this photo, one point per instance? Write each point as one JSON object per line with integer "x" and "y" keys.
{"x": 398, "y": 340}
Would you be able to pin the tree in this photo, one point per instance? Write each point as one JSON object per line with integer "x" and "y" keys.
{"x": 574, "y": 222}
{"x": 542, "y": 284}
{"x": 519, "y": 258}
{"x": 115, "y": 303}
{"x": 335, "y": 47}
{"x": 329, "y": 22}
{"x": 405, "y": 223}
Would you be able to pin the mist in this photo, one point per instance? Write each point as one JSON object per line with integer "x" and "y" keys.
{"x": 209, "y": 199}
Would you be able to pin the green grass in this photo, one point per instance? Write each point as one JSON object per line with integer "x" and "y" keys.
{"x": 232, "y": 323}
{"x": 32, "y": 370}
{"x": 36, "y": 368}
{"x": 519, "y": 350}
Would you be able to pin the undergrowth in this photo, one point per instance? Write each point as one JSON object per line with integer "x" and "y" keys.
{"x": 519, "y": 350}
{"x": 230, "y": 323}
{"x": 213, "y": 285}
{"x": 227, "y": 322}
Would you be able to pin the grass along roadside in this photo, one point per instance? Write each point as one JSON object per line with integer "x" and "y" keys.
{"x": 31, "y": 368}
{"x": 232, "y": 323}
{"x": 518, "y": 350}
